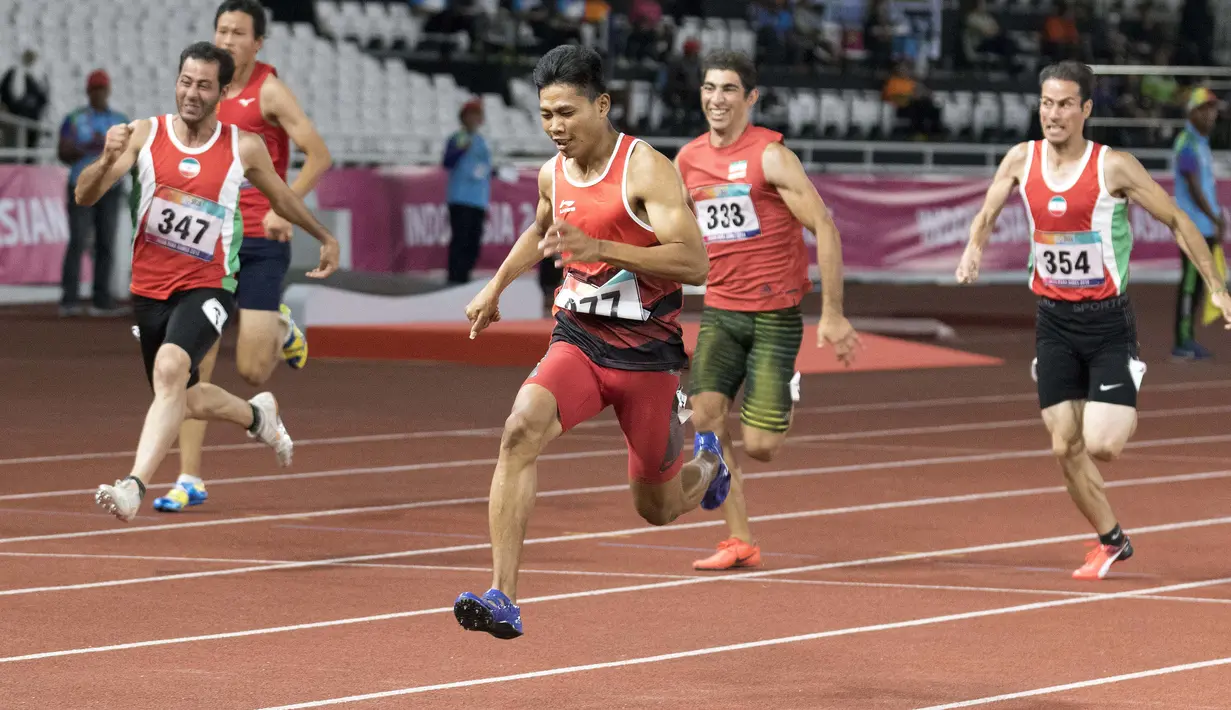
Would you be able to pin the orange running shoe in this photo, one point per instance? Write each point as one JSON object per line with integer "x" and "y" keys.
{"x": 1100, "y": 559}
{"x": 732, "y": 552}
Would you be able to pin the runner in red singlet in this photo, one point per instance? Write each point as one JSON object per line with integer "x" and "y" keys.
{"x": 188, "y": 170}
{"x": 613, "y": 212}
{"x": 257, "y": 102}
{"x": 752, "y": 199}
{"x": 1086, "y": 366}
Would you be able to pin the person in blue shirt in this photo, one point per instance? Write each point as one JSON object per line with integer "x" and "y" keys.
{"x": 469, "y": 163}
{"x": 1196, "y": 193}
{"x": 82, "y": 136}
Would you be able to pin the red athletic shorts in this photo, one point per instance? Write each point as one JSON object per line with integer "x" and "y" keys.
{"x": 645, "y": 404}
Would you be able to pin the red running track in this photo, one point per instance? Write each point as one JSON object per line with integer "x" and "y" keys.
{"x": 917, "y": 554}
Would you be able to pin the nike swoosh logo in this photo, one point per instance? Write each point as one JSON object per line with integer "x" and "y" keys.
{"x": 1104, "y": 388}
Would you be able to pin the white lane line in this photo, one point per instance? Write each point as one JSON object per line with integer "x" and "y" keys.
{"x": 1082, "y": 684}
{"x": 496, "y": 431}
{"x": 888, "y": 559}
{"x": 575, "y": 455}
{"x": 736, "y": 577}
{"x": 850, "y": 631}
{"x": 642, "y": 530}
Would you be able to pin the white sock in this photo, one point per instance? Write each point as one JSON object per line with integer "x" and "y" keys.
{"x": 194, "y": 480}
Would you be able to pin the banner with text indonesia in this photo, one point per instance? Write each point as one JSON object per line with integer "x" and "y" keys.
{"x": 892, "y": 229}
{"x": 33, "y": 224}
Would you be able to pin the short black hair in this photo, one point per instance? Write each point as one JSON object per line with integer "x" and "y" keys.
{"x": 253, "y": 8}
{"x": 730, "y": 60}
{"x": 208, "y": 52}
{"x": 572, "y": 64}
{"x": 1071, "y": 70}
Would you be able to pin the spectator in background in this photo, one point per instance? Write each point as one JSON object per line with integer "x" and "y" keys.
{"x": 646, "y": 19}
{"x": 982, "y": 34}
{"x": 878, "y": 33}
{"x": 680, "y": 89}
{"x": 913, "y": 101}
{"x": 469, "y": 163}
{"x": 1196, "y": 192}
{"x": 24, "y": 90}
{"x": 82, "y": 135}
{"x": 1060, "y": 39}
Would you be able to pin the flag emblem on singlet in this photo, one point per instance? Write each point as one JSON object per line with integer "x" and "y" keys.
{"x": 1057, "y": 206}
{"x": 737, "y": 170}
{"x": 190, "y": 167}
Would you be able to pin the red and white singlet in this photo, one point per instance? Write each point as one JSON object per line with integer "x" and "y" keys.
{"x": 188, "y": 224}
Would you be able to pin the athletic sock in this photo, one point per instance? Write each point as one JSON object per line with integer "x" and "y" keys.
{"x": 140, "y": 484}
{"x": 256, "y": 419}
{"x": 194, "y": 480}
{"x": 1115, "y": 538}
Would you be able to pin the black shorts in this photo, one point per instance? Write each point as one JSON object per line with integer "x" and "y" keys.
{"x": 1087, "y": 351}
{"x": 263, "y": 264}
{"x": 193, "y": 320}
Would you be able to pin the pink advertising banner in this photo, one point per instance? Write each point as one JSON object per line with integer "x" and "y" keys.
{"x": 33, "y": 224}
{"x": 895, "y": 228}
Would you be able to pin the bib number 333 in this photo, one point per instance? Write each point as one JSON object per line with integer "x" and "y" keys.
{"x": 618, "y": 298}
{"x": 184, "y": 223}
{"x": 1069, "y": 260}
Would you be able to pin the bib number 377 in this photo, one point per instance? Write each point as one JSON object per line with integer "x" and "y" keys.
{"x": 618, "y": 298}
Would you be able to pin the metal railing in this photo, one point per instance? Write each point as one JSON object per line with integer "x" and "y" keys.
{"x": 15, "y": 140}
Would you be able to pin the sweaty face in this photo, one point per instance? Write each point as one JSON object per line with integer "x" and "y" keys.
{"x": 1061, "y": 110}
{"x": 197, "y": 90}
{"x": 570, "y": 119}
{"x": 234, "y": 33}
{"x": 724, "y": 101}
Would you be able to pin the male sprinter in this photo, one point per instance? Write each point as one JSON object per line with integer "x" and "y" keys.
{"x": 752, "y": 198}
{"x": 1086, "y": 365}
{"x": 612, "y": 212}
{"x": 185, "y": 255}
{"x": 257, "y": 102}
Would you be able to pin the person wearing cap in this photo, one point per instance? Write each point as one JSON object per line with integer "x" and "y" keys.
{"x": 82, "y": 135}
{"x": 469, "y": 163}
{"x": 1196, "y": 193}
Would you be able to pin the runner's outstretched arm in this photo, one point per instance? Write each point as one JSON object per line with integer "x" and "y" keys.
{"x": 784, "y": 171}
{"x": 1126, "y": 175}
{"x": 120, "y": 150}
{"x": 981, "y": 227}
{"x": 282, "y": 105}
{"x": 680, "y": 253}
{"x": 259, "y": 169}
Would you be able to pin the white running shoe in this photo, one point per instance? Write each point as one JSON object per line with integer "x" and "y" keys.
{"x": 271, "y": 432}
{"x": 122, "y": 500}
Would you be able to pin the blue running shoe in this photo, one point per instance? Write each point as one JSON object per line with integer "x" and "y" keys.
{"x": 721, "y": 485}
{"x": 493, "y": 612}
{"x": 180, "y": 496}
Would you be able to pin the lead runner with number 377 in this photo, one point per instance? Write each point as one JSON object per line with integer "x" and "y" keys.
{"x": 185, "y": 256}
{"x": 612, "y": 211}
{"x": 1088, "y": 373}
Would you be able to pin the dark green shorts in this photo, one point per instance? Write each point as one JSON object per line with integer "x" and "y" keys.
{"x": 759, "y": 347}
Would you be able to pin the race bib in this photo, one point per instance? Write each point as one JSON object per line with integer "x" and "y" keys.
{"x": 1069, "y": 259}
{"x": 725, "y": 213}
{"x": 618, "y": 298}
{"x": 184, "y": 223}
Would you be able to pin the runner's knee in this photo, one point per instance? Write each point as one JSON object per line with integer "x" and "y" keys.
{"x": 709, "y": 412}
{"x": 254, "y": 369}
{"x": 762, "y": 445}
{"x": 1104, "y": 448}
{"x": 171, "y": 368}
{"x": 653, "y": 505}
{"x": 527, "y": 427}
